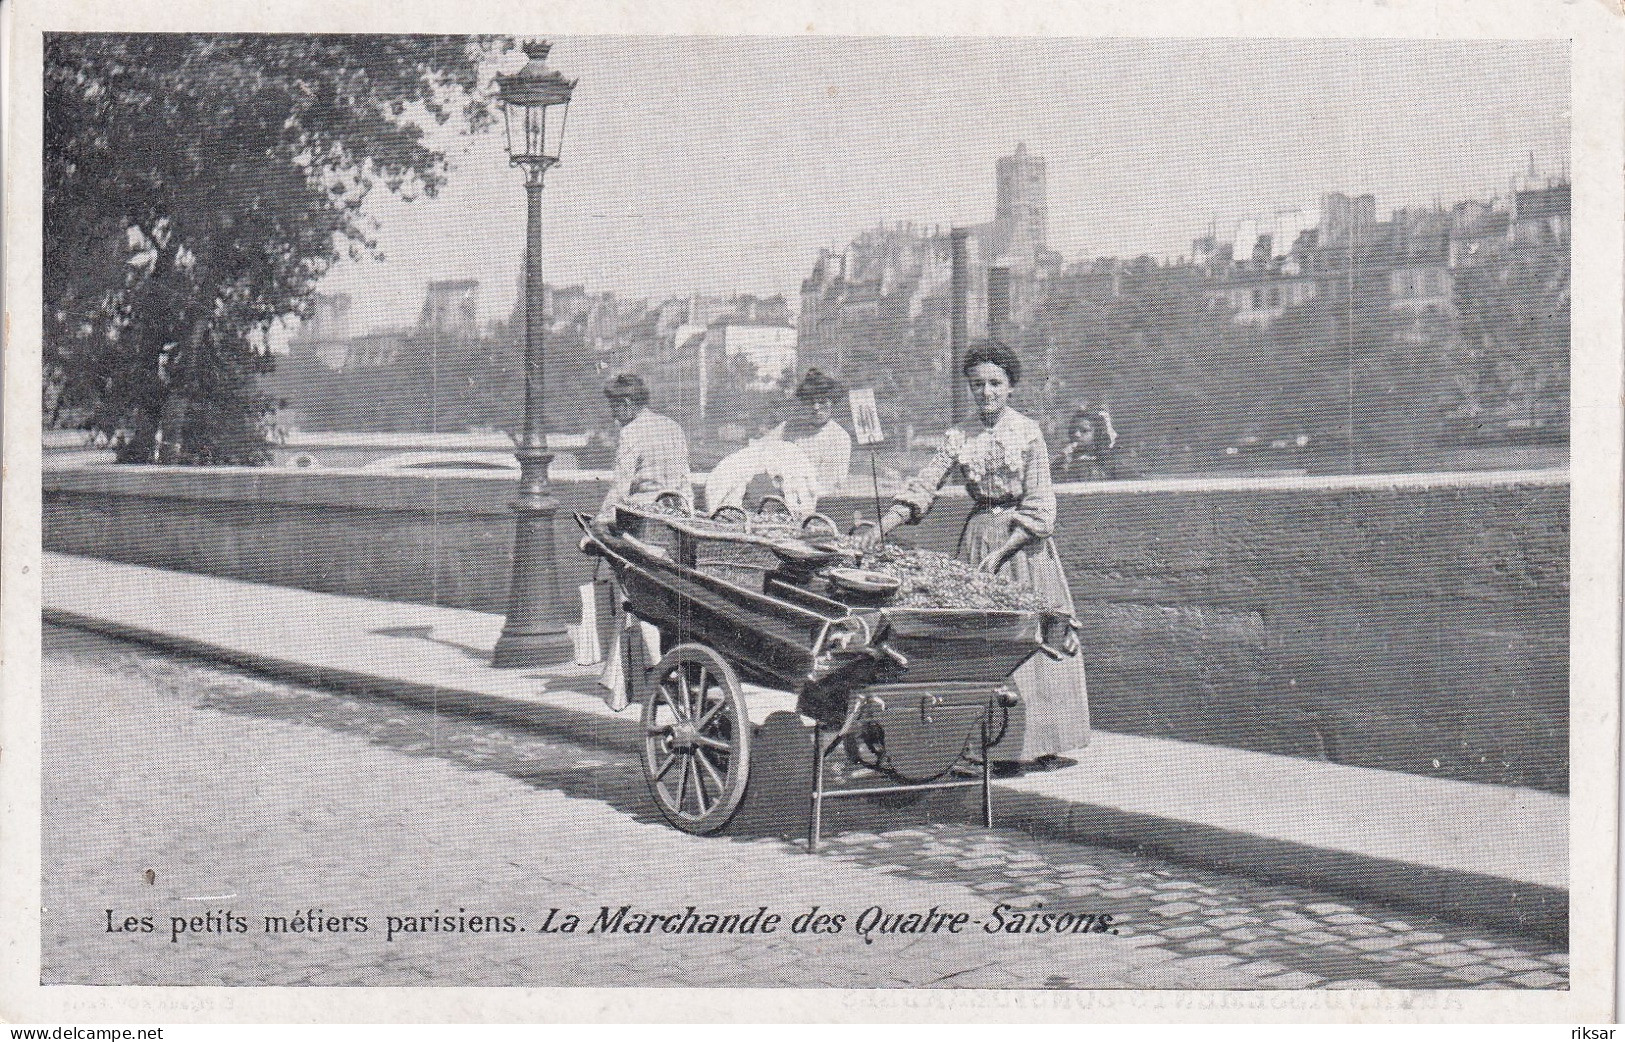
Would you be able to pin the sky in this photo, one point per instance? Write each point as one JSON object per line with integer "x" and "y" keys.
{"x": 723, "y": 164}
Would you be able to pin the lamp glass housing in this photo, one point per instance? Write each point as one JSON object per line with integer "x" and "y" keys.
{"x": 535, "y": 108}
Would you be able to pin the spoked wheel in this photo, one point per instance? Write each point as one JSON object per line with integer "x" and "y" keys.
{"x": 696, "y": 746}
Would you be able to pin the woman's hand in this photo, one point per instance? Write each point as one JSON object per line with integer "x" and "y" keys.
{"x": 867, "y": 538}
{"x": 870, "y": 536}
{"x": 1019, "y": 538}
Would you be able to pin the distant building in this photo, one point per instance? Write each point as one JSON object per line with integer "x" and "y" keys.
{"x": 1407, "y": 262}
{"x": 325, "y": 335}
{"x": 1480, "y": 234}
{"x": 886, "y": 294}
{"x": 1540, "y": 217}
{"x": 1344, "y": 220}
{"x": 451, "y": 308}
{"x": 374, "y": 350}
{"x": 877, "y": 309}
{"x": 771, "y": 350}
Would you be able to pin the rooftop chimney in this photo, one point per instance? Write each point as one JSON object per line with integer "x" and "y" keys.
{"x": 958, "y": 322}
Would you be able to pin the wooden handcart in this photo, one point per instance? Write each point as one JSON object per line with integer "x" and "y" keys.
{"x": 915, "y": 696}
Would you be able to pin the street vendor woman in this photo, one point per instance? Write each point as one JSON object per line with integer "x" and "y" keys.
{"x": 650, "y": 458}
{"x": 801, "y": 460}
{"x": 652, "y": 454}
{"x": 815, "y": 429}
{"x": 770, "y": 465}
{"x": 1002, "y": 458}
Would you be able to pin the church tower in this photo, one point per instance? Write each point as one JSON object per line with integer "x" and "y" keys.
{"x": 1021, "y": 212}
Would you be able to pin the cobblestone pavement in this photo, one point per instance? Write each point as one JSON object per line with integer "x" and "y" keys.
{"x": 177, "y": 790}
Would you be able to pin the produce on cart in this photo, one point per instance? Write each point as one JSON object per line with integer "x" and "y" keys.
{"x": 900, "y": 657}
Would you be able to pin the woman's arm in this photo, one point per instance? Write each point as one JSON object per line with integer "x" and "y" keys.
{"x": 1034, "y": 516}
{"x": 1019, "y": 537}
{"x": 1036, "y": 512}
{"x": 914, "y": 500}
{"x": 622, "y": 481}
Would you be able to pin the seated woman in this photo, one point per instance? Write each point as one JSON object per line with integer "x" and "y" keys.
{"x": 1002, "y": 458}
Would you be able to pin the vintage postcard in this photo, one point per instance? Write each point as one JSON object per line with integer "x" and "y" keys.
{"x": 1103, "y": 513}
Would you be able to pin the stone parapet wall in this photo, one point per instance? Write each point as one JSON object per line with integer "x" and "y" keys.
{"x": 1415, "y": 622}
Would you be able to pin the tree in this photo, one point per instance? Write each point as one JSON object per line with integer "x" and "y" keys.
{"x": 1175, "y": 373}
{"x": 196, "y": 188}
{"x": 1511, "y": 358}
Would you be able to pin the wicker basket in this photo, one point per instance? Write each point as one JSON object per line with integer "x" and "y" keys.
{"x": 737, "y": 556}
{"x": 738, "y": 560}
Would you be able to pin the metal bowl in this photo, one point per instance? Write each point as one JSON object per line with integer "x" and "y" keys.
{"x": 795, "y": 551}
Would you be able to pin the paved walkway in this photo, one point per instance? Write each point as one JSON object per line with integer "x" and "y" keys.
{"x": 1475, "y": 852}
{"x": 187, "y": 789}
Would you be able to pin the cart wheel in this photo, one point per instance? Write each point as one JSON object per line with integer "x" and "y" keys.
{"x": 696, "y": 746}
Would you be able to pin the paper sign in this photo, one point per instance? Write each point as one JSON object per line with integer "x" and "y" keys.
{"x": 866, "y": 416}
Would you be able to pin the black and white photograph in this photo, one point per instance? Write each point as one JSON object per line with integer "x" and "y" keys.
{"x": 938, "y": 511}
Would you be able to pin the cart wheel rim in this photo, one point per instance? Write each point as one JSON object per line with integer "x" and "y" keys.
{"x": 696, "y": 739}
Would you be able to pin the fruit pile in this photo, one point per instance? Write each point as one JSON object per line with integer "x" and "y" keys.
{"x": 929, "y": 579}
{"x": 933, "y": 580}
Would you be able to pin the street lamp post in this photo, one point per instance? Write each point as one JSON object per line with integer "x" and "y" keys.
{"x": 535, "y": 102}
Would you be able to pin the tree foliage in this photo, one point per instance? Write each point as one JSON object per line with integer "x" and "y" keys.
{"x": 1510, "y": 359}
{"x": 196, "y": 188}
{"x": 1170, "y": 369}
{"x": 447, "y": 382}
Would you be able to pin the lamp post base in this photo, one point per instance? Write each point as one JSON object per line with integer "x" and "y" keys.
{"x": 534, "y": 633}
{"x": 531, "y": 650}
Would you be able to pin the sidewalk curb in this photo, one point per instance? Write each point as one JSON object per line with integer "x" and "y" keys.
{"x": 603, "y": 732}
{"x": 1447, "y": 893}
{"x": 1451, "y": 894}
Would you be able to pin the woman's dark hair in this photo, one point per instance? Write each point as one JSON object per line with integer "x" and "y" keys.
{"x": 991, "y": 352}
{"x": 629, "y": 386}
{"x": 817, "y": 386}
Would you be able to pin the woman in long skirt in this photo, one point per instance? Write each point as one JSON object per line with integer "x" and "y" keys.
{"x": 1004, "y": 463}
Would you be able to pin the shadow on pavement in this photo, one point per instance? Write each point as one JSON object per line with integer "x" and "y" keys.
{"x": 425, "y": 633}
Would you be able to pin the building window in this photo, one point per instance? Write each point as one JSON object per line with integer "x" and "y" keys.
{"x": 1258, "y": 298}
{"x": 1275, "y": 298}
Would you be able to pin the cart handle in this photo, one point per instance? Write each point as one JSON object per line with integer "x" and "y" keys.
{"x": 880, "y": 651}
{"x": 761, "y": 506}
{"x": 1069, "y": 640}
{"x": 590, "y": 543}
{"x": 823, "y": 521}
{"x": 664, "y": 496}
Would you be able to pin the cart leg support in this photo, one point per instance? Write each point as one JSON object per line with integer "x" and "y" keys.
{"x": 987, "y": 780}
{"x": 816, "y": 821}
